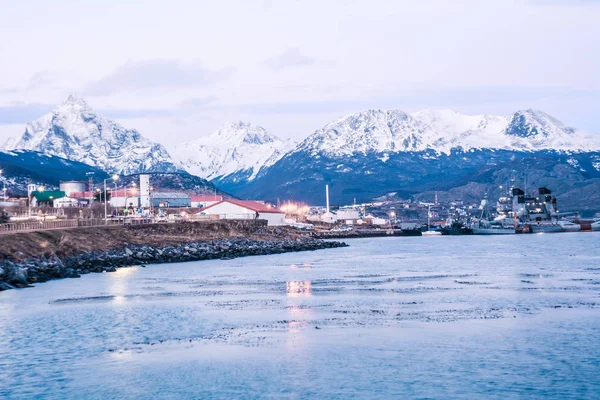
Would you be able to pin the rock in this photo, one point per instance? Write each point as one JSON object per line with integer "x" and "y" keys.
{"x": 5, "y": 286}
{"x": 51, "y": 266}
{"x": 15, "y": 274}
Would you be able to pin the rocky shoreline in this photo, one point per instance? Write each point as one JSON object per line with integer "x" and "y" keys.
{"x": 20, "y": 274}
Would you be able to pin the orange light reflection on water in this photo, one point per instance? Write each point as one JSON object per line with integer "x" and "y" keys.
{"x": 298, "y": 288}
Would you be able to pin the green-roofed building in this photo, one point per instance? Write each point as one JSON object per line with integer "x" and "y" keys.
{"x": 46, "y": 198}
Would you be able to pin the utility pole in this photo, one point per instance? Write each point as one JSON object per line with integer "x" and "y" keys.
{"x": 114, "y": 178}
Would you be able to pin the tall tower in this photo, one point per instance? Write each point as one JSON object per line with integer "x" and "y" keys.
{"x": 145, "y": 191}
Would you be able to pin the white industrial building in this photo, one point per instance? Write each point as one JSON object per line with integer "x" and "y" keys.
{"x": 245, "y": 209}
{"x": 205, "y": 200}
{"x": 347, "y": 214}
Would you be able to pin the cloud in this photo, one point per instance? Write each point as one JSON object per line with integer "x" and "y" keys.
{"x": 183, "y": 109}
{"x": 155, "y": 74}
{"x": 22, "y": 113}
{"x": 404, "y": 98}
{"x": 128, "y": 113}
{"x": 38, "y": 80}
{"x": 566, "y": 2}
{"x": 290, "y": 58}
{"x": 198, "y": 102}
{"x": 41, "y": 78}
{"x": 414, "y": 98}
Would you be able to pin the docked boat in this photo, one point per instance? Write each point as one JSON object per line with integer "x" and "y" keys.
{"x": 455, "y": 228}
{"x": 485, "y": 225}
{"x": 569, "y": 226}
{"x": 545, "y": 227}
{"x": 494, "y": 230}
{"x": 431, "y": 232}
{"x": 596, "y": 225}
{"x": 538, "y": 213}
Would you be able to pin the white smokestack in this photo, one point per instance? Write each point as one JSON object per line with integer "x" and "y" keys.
{"x": 327, "y": 196}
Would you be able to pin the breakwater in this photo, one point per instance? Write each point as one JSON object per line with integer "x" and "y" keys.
{"x": 33, "y": 257}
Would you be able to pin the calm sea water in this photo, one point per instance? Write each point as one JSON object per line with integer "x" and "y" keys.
{"x": 431, "y": 317}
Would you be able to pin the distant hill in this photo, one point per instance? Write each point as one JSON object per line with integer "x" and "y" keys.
{"x": 20, "y": 165}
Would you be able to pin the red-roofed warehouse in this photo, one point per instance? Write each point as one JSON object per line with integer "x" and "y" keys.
{"x": 245, "y": 209}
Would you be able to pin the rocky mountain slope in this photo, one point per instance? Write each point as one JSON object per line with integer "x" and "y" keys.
{"x": 74, "y": 131}
{"x": 236, "y": 152}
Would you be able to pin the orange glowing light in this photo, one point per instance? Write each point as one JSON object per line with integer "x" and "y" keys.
{"x": 298, "y": 288}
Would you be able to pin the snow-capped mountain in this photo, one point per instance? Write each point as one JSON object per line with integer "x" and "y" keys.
{"x": 76, "y": 132}
{"x": 236, "y": 148}
{"x": 383, "y": 131}
{"x": 9, "y": 143}
{"x": 375, "y": 152}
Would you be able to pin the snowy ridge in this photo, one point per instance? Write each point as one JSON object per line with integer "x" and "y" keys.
{"x": 392, "y": 131}
{"x": 235, "y": 147}
{"x": 75, "y": 132}
{"x": 8, "y": 144}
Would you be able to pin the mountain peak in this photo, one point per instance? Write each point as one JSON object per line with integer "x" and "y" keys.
{"x": 74, "y": 100}
{"x": 246, "y": 132}
{"x": 392, "y": 131}
{"x": 75, "y": 132}
{"x": 235, "y": 147}
{"x": 534, "y": 124}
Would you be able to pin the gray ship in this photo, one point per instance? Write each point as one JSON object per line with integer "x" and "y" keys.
{"x": 486, "y": 225}
{"x": 539, "y": 213}
{"x": 520, "y": 213}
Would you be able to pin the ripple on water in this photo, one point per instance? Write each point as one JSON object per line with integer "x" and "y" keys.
{"x": 338, "y": 323}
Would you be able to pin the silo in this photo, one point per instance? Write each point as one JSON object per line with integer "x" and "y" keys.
{"x": 72, "y": 187}
{"x": 145, "y": 191}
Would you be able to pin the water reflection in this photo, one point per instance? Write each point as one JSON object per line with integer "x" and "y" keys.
{"x": 305, "y": 265}
{"x": 118, "y": 284}
{"x": 299, "y": 317}
{"x": 298, "y": 288}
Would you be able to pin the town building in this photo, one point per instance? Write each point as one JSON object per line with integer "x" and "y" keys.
{"x": 46, "y": 198}
{"x": 205, "y": 200}
{"x": 122, "y": 198}
{"x": 170, "y": 200}
{"x": 245, "y": 209}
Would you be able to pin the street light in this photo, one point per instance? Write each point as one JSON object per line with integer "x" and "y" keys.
{"x": 114, "y": 178}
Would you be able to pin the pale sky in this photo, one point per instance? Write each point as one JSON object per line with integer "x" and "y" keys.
{"x": 178, "y": 70}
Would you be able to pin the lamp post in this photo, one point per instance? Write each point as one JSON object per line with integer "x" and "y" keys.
{"x": 151, "y": 189}
{"x": 116, "y": 194}
{"x": 115, "y": 178}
